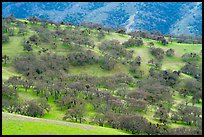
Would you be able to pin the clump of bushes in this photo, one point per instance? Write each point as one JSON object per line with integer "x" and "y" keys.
{"x": 133, "y": 42}
{"x": 157, "y": 52}
{"x": 188, "y": 57}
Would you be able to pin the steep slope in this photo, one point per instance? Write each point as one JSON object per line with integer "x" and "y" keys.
{"x": 191, "y": 22}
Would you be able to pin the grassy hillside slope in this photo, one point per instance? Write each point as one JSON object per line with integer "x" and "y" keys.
{"x": 51, "y": 122}
{"x": 13, "y": 124}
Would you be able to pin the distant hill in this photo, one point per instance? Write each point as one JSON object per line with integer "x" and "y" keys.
{"x": 167, "y": 17}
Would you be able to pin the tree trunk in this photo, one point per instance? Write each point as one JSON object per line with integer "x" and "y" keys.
{"x": 37, "y": 93}
{"x": 5, "y": 61}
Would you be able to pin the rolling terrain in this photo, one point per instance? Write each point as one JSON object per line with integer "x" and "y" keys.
{"x": 16, "y": 124}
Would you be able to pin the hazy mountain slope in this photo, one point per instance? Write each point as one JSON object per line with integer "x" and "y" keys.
{"x": 168, "y": 17}
{"x": 191, "y": 22}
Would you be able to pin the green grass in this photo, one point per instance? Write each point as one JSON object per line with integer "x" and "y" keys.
{"x": 13, "y": 47}
{"x": 8, "y": 72}
{"x": 23, "y": 125}
{"x": 27, "y": 96}
{"x": 121, "y": 38}
{"x": 55, "y": 113}
{"x": 89, "y": 112}
{"x": 175, "y": 62}
{"x": 172, "y": 63}
{"x": 180, "y": 99}
{"x": 19, "y": 126}
{"x": 95, "y": 70}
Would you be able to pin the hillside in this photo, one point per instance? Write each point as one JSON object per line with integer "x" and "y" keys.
{"x": 168, "y": 17}
{"x": 89, "y": 76}
{"x": 37, "y": 126}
